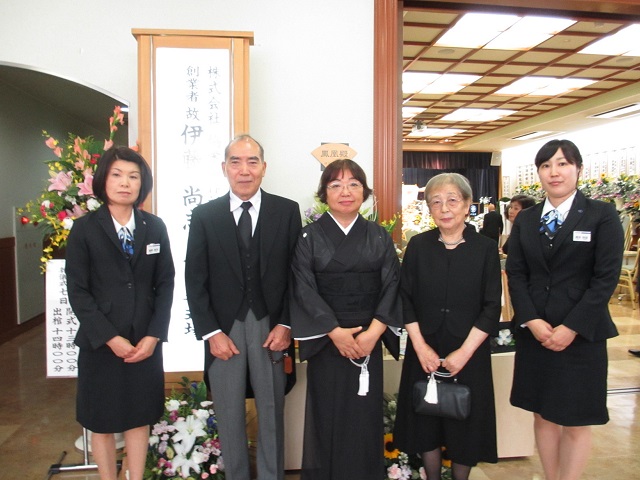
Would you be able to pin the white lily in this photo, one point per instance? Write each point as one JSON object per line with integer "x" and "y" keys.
{"x": 172, "y": 405}
{"x": 183, "y": 464}
{"x": 187, "y": 432}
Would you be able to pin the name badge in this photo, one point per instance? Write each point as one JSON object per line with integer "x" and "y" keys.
{"x": 581, "y": 236}
{"x": 153, "y": 248}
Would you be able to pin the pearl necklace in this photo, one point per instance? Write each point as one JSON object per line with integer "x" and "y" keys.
{"x": 451, "y": 244}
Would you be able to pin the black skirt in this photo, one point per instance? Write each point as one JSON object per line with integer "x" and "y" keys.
{"x": 567, "y": 388}
{"x": 467, "y": 441}
{"x": 114, "y": 396}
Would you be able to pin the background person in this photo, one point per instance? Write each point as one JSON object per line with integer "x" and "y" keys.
{"x": 237, "y": 293}
{"x": 122, "y": 298}
{"x": 492, "y": 224}
{"x": 516, "y": 205}
{"x": 345, "y": 281}
{"x": 450, "y": 289}
{"x": 564, "y": 262}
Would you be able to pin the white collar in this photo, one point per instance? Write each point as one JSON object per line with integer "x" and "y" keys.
{"x": 346, "y": 229}
{"x": 563, "y": 208}
{"x": 235, "y": 202}
{"x": 131, "y": 224}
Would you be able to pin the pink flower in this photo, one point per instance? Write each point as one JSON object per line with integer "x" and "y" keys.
{"x": 108, "y": 144}
{"x": 86, "y": 187}
{"x": 52, "y": 143}
{"x": 60, "y": 182}
{"x": 62, "y": 214}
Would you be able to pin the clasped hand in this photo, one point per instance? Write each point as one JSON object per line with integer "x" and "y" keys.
{"x": 122, "y": 348}
{"x": 555, "y": 339}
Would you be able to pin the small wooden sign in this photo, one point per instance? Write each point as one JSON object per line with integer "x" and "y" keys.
{"x": 328, "y": 152}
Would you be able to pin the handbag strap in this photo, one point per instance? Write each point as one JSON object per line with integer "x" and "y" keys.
{"x": 444, "y": 374}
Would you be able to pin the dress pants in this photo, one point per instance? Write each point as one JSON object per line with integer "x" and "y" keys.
{"x": 227, "y": 379}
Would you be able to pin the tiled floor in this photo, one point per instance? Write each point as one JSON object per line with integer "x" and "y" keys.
{"x": 37, "y": 415}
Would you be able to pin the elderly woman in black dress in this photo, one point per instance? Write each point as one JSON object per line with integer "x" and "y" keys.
{"x": 450, "y": 288}
{"x": 564, "y": 262}
{"x": 120, "y": 278}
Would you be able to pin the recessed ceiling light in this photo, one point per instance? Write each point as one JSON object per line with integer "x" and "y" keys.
{"x": 477, "y": 115}
{"x": 421, "y": 131}
{"x": 621, "y": 112}
{"x": 544, "y": 86}
{"x": 532, "y": 135}
{"x": 624, "y": 42}
{"x": 435, "y": 83}
{"x": 502, "y": 32}
{"x": 410, "y": 112}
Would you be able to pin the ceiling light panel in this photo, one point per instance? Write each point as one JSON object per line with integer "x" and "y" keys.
{"x": 528, "y": 32}
{"x": 410, "y": 112}
{"x": 624, "y": 42}
{"x": 476, "y": 115}
{"x": 435, "y": 83}
{"x": 544, "y": 86}
{"x": 474, "y": 30}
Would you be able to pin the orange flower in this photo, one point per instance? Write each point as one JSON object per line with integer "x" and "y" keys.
{"x": 390, "y": 451}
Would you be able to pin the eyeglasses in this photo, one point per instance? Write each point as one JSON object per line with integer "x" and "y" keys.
{"x": 337, "y": 186}
{"x": 452, "y": 203}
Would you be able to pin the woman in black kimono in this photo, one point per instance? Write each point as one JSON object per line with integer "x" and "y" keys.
{"x": 450, "y": 289}
{"x": 345, "y": 281}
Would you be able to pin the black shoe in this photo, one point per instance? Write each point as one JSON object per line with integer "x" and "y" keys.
{"x": 634, "y": 351}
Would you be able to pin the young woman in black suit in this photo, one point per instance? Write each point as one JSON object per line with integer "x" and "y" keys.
{"x": 560, "y": 285}
{"x": 121, "y": 296}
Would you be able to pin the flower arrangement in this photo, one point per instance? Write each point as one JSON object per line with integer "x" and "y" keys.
{"x": 624, "y": 191}
{"x": 69, "y": 191}
{"x": 399, "y": 465}
{"x": 184, "y": 443}
{"x": 534, "y": 190}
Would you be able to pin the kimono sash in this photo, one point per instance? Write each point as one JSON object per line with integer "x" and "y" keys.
{"x": 353, "y": 296}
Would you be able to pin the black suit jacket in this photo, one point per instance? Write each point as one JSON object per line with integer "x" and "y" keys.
{"x": 213, "y": 272}
{"x": 112, "y": 295}
{"x": 492, "y": 225}
{"x": 573, "y": 286}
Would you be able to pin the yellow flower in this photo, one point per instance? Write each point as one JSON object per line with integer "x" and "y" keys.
{"x": 389, "y": 450}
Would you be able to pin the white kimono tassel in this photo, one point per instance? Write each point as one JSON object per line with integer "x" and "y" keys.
{"x": 432, "y": 390}
{"x": 363, "y": 384}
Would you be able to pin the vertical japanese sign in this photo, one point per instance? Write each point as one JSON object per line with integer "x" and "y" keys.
{"x": 193, "y": 126}
{"x": 61, "y": 324}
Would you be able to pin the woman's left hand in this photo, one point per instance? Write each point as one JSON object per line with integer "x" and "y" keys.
{"x": 455, "y": 361}
{"x": 560, "y": 339}
{"x": 145, "y": 347}
{"x": 369, "y": 338}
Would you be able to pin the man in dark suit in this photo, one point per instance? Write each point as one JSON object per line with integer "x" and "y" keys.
{"x": 237, "y": 269}
{"x": 492, "y": 224}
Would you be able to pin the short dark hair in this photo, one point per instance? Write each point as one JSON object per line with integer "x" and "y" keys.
{"x": 332, "y": 172}
{"x": 569, "y": 150}
{"x": 128, "y": 155}
{"x": 525, "y": 201}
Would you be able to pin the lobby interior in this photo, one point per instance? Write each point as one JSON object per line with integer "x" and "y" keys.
{"x": 37, "y": 414}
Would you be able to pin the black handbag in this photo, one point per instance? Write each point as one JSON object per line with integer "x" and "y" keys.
{"x": 442, "y": 399}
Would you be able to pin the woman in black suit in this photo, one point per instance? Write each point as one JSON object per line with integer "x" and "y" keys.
{"x": 121, "y": 293}
{"x": 562, "y": 274}
{"x": 450, "y": 288}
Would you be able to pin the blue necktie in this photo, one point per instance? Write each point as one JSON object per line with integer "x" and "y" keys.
{"x": 126, "y": 239}
{"x": 550, "y": 223}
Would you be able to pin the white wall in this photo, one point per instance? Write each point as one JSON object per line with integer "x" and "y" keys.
{"x": 619, "y": 135}
{"x": 311, "y": 66}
